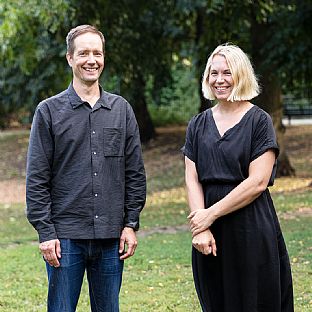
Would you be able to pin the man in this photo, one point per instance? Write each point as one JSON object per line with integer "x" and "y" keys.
{"x": 85, "y": 181}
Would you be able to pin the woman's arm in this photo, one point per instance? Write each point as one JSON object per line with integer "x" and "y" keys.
{"x": 260, "y": 171}
{"x": 204, "y": 242}
{"x": 194, "y": 189}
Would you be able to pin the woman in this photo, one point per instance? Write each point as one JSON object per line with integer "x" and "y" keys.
{"x": 240, "y": 262}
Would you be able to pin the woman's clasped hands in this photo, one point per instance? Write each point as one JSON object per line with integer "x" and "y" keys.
{"x": 203, "y": 240}
{"x": 201, "y": 220}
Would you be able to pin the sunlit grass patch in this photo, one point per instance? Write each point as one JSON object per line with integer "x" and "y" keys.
{"x": 290, "y": 184}
{"x": 165, "y": 208}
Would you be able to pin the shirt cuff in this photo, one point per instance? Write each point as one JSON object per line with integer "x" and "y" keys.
{"x": 47, "y": 235}
{"x": 133, "y": 225}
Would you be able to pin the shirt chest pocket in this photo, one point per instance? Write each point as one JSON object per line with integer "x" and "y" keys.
{"x": 113, "y": 143}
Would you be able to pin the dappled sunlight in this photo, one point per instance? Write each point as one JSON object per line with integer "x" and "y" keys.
{"x": 290, "y": 184}
{"x": 175, "y": 195}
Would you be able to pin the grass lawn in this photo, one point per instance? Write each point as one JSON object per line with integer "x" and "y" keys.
{"x": 159, "y": 276}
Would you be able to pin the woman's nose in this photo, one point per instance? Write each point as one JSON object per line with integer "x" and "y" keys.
{"x": 220, "y": 78}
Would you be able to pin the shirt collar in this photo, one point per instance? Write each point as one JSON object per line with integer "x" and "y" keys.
{"x": 76, "y": 101}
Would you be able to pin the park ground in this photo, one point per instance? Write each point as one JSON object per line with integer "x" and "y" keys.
{"x": 158, "y": 277}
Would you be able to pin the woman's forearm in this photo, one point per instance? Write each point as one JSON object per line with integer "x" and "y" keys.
{"x": 194, "y": 189}
{"x": 248, "y": 190}
{"x": 242, "y": 195}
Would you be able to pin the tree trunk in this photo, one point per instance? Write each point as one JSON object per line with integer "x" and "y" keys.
{"x": 270, "y": 98}
{"x": 201, "y": 59}
{"x": 136, "y": 97}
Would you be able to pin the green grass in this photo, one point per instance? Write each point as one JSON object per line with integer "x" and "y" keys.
{"x": 159, "y": 276}
{"x": 22, "y": 281}
{"x": 298, "y": 236}
{"x": 172, "y": 177}
{"x": 13, "y": 147}
{"x": 290, "y": 202}
{"x": 164, "y": 215}
{"x": 14, "y": 226}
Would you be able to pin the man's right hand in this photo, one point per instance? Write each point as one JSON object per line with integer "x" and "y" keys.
{"x": 205, "y": 243}
{"x": 51, "y": 251}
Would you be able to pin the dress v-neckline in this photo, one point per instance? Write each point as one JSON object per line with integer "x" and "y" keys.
{"x": 231, "y": 128}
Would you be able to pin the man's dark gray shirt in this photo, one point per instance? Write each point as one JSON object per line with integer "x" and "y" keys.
{"x": 85, "y": 173}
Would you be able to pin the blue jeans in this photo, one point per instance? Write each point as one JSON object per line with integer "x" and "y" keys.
{"x": 100, "y": 258}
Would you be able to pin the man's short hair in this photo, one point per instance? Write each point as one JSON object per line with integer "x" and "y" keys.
{"x": 246, "y": 86}
{"x": 79, "y": 30}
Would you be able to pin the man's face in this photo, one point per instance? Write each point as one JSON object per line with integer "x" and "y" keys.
{"x": 87, "y": 61}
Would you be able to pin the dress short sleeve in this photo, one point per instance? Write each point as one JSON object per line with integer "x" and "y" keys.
{"x": 264, "y": 137}
{"x": 188, "y": 148}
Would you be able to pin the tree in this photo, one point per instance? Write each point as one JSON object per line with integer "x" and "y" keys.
{"x": 141, "y": 38}
{"x": 278, "y": 55}
{"x": 31, "y": 53}
{"x": 139, "y": 46}
{"x": 261, "y": 28}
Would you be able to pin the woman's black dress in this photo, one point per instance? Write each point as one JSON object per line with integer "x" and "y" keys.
{"x": 251, "y": 272}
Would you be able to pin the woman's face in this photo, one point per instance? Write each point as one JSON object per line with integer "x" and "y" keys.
{"x": 220, "y": 78}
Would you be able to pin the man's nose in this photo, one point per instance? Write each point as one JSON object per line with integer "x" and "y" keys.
{"x": 91, "y": 58}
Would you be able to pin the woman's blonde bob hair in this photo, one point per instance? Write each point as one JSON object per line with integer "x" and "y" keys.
{"x": 246, "y": 86}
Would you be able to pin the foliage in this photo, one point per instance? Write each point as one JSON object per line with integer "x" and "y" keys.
{"x": 177, "y": 102}
{"x": 145, "y": 28}
{"x": 290, "y": 46}
{"x": 142, "y": 37}
{"x": 285, "y": 47}
{"x": 31, "y": 54}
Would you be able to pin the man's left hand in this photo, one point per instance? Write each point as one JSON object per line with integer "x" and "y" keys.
{"x": 128, "y": 238}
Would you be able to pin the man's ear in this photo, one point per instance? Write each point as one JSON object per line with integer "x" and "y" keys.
{"x": 69, "y": 59}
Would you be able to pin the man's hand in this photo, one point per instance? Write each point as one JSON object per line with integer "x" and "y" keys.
{"x": 205, "y": 243}
{"x": 51, "y": 251}
{"x": 128, "y": 238}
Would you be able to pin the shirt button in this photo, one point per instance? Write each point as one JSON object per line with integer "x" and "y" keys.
{"x": 95, "y": 173}
{"x": 96, "y": 217}
{"x": 94, "y": 153}
{"x": 96, "y": 194}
